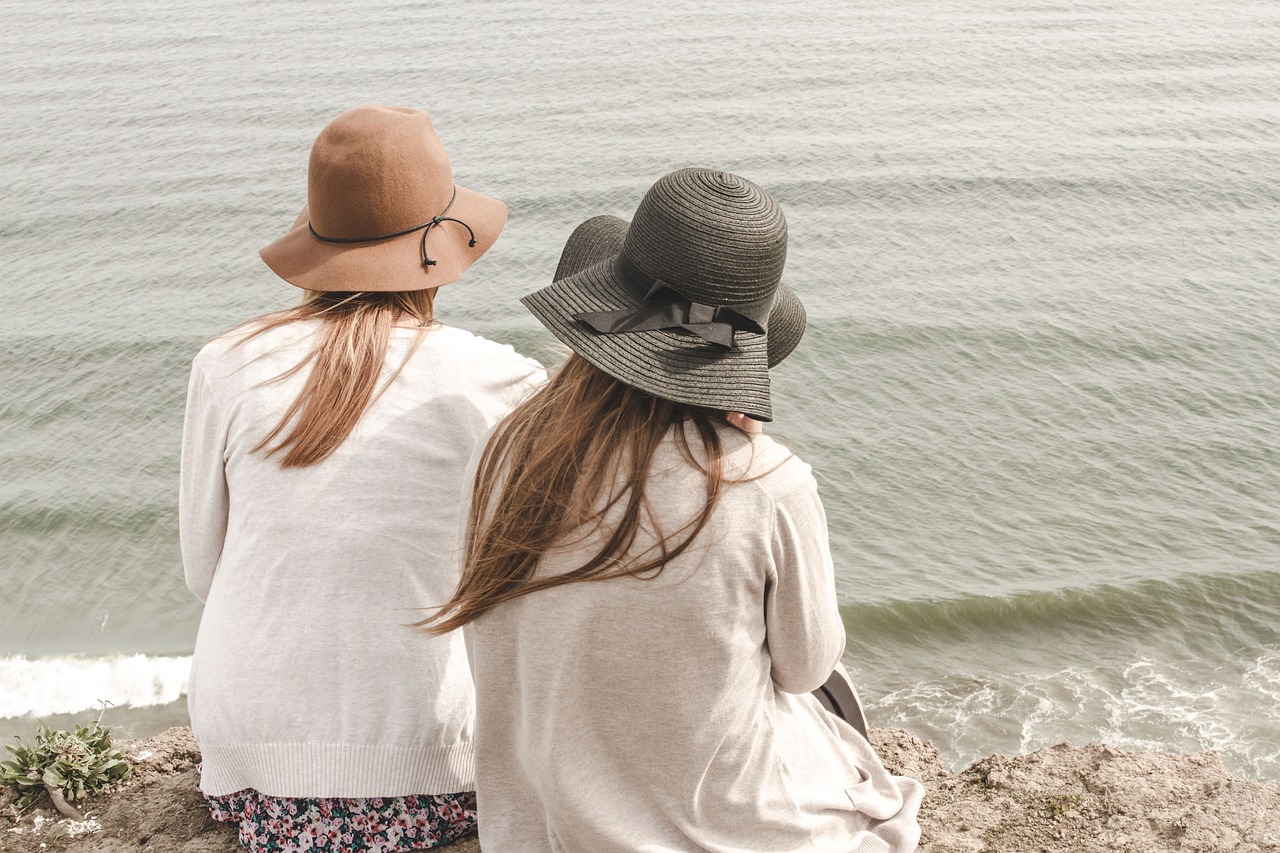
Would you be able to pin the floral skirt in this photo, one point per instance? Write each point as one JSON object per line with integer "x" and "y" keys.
{"x": 373, "y": 824}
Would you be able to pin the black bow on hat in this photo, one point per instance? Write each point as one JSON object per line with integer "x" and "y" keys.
{"x": 667, "y": 308}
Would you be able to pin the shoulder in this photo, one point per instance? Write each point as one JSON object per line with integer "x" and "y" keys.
{"x": 233, "y": 349}
{"x": 482, "y": 356}
{"x": 481, "y": 346}
{"x": 769, "y": 466}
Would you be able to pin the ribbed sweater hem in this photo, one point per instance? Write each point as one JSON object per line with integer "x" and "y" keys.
{"x": 336, "y": 770}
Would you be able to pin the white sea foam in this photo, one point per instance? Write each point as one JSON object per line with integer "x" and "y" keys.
{"x": 1181, "y": 705}
{"x": 64, "y": 685}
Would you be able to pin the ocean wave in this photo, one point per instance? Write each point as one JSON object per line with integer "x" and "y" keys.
{"x": 1183, "y": 705}
{"x": 941, "y": 188}
{"x": 1246, "y": 603}
{"x": 68, "y": 684}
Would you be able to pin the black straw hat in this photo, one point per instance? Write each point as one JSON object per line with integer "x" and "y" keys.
{"x": 600, "y": 238}
{"x": 682, "y": 311}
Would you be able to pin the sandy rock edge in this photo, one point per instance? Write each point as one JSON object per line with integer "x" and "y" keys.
{"x": 1061, "y": 799}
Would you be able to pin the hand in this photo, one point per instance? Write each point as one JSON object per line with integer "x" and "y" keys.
{"x": 749, "y": 425}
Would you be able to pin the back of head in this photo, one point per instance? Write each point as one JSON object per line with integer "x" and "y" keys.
{"x": 717, "y": 238}
{"x": 600, "y": 238}
{"x": 384, "y": 227}
{"x": 682, "y": 310}
{"x": 383, "y": 211}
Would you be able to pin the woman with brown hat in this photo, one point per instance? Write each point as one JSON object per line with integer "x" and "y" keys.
{"x": 322, "y": 471}
{"x": 647, "y": 592}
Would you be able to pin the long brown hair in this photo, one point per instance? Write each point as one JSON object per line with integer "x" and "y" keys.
{"x": 583, "y": 440}
{"x": 346, "y": 363}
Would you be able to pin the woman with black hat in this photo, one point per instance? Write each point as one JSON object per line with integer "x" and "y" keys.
{"x": 647, "y": 592}
{"x": 600, "y": 238}
{"x": 322, "y": 471}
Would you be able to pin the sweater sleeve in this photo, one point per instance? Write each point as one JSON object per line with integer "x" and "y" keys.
{"x": 203, "y": 501}
{"x": 802, "y": 618}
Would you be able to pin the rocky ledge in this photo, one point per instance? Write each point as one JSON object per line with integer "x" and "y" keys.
{"x": 1061, "y": 799}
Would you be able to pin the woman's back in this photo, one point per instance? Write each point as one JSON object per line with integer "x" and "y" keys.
{"x": 310, "y": 587}
{"x": 634, "y": 713}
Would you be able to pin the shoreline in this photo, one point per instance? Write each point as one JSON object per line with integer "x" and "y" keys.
{"x": 1060, "y": 799}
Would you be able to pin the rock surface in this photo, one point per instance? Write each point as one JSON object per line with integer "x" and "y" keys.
{"x": 1062, "y": 799}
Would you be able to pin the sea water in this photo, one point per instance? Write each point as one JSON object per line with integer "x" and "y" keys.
{"x": 1037, "y": 243}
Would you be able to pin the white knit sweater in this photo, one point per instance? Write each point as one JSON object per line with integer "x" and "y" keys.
{"x": 673, "y": 714}
{"x": 308, "y": 680}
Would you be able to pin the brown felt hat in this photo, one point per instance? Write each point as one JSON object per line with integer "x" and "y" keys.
{"x": 600, "y": 238}
{"x": 682, "y": 310}
{"x": 383, "y": 212}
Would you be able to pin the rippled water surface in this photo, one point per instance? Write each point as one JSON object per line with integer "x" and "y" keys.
{"x": 1036, "y": 241}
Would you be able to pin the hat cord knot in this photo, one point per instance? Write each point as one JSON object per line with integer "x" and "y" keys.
{"x": 425, "y": 228}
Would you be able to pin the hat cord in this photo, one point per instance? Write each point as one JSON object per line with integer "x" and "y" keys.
{"x": 424, "y": 227}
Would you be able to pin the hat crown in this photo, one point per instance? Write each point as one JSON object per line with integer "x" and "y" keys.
{"x": 376, "y": 170}
{"x": 715, "y": 237}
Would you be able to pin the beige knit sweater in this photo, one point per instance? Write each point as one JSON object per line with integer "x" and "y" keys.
{"x": 308, "y": 680}
{"x": 674, "y": 714}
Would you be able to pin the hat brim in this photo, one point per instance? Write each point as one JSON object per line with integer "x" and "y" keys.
{"x": 594, "y": 240}
{"x": 786, "y": 324}
{"x": 394, "y": 264}
{"x": 671, "y": 364}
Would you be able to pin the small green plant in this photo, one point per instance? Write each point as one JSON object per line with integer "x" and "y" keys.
{"x": 1062, "y": 803}
{"x": 65, "y": 765}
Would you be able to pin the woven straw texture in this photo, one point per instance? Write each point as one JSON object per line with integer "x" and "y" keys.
{"x": 674, "y": 365}
{"x": 719, "y": 240}
{"x": 786, "y": 325}
{"x": 601, "y": 237}
{"x": 597, "y": 239}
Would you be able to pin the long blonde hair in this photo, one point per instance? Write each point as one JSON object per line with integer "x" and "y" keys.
{"x": 548, "y": 468}
{"x": 346, "y": 363}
